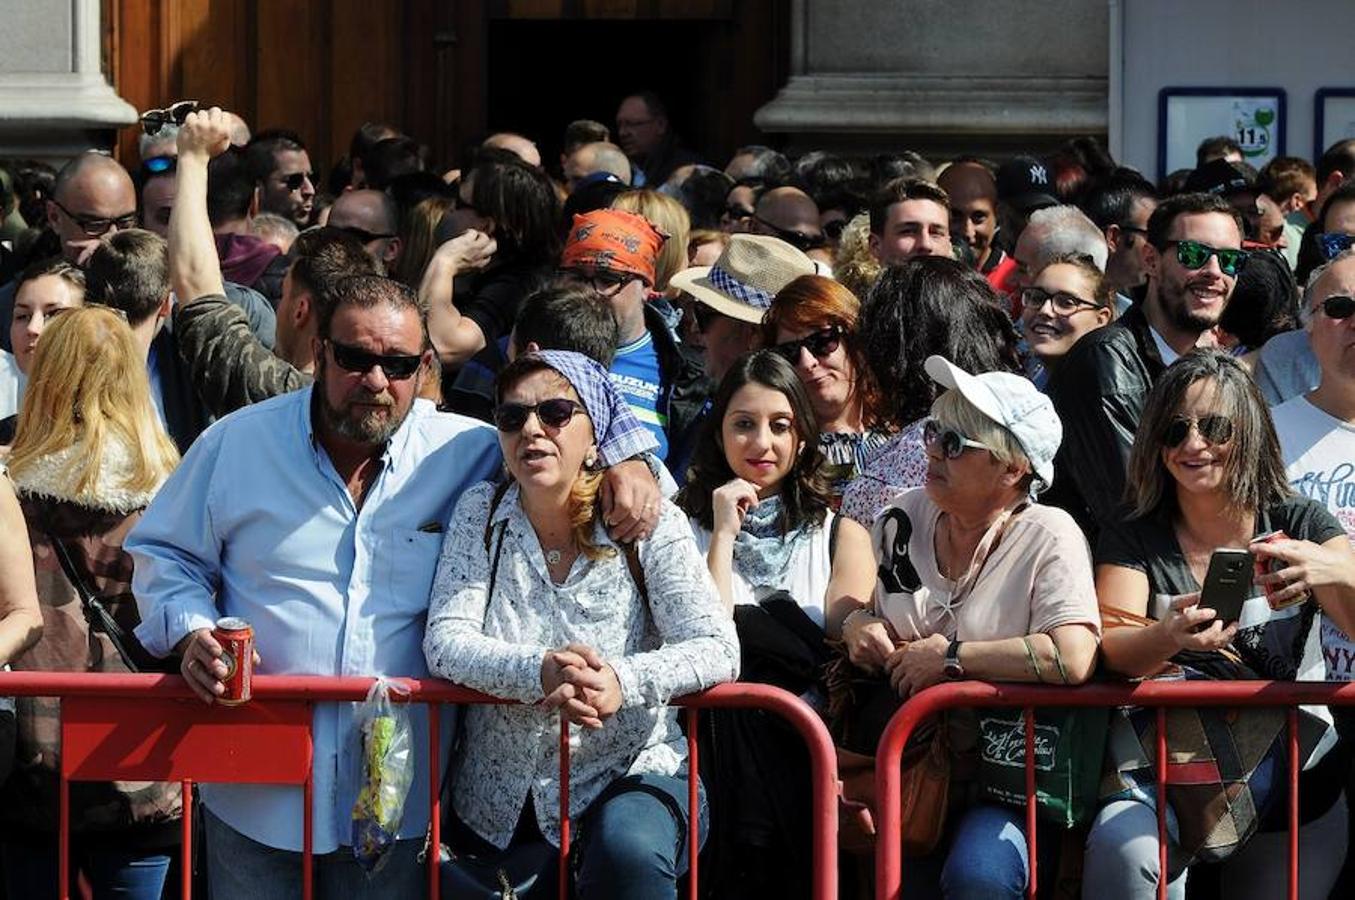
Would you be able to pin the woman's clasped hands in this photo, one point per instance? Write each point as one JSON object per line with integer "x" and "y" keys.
{"x": 580, "y": 684}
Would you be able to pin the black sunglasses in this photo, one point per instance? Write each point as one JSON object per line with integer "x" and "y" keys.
{"x": 363, "y": 235}
{"x": 153, "y": 120}
{"x": 820, "y": 344}
{"x": 833, "y": 230}
{"x": 354, "y": 359}
{"x": 1065, "y": 304}
{"x": 1338, "y": 306}
{"x": 1214, "y": 429}
{"x": 953, "y": 443}
{"x": 1195, "y": 255}
{"x": 737, "y": 213}
{"x": 97, "y": 227}
{"x": 801, "y": 242}
{"x": 554, "y": 413}
{"x": 294, "y": 181}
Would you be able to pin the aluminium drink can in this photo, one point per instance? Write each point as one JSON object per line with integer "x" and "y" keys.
{"x": 236, "y": 637}
{"x": 1270, "y": 566}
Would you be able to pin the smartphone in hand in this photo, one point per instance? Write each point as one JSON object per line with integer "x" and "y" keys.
{"x": 1227, "y": 584}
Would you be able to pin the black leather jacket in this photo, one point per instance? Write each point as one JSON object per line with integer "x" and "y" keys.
{"x": 1099, "y": 389}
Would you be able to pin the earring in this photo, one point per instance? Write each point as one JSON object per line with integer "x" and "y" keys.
{"x": 591, "y": 460}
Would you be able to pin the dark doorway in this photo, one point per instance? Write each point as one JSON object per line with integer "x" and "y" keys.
{"x": 712, "y": 73}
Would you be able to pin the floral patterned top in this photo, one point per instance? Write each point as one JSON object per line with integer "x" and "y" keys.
{"x": 899, "y": 465}
{"x": 682, "y": 641}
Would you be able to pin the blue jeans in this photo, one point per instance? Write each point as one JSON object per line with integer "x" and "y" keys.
{"x": 633, "y": 839}
{"x": 984, "y": 858}
{"x": 30, "y": 870}
{"x": 239, "y": 868}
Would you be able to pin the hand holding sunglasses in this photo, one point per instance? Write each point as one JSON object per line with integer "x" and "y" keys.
{"x": 153, "y": 121}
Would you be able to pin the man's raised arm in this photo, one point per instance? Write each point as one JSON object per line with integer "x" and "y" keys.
{"x": 194, "y": 268}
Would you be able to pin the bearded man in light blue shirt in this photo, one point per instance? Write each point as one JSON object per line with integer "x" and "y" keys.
{"x": 316, "y": 516}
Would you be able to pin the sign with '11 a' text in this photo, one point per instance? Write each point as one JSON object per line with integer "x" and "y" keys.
{"x": 1253, "y": 117}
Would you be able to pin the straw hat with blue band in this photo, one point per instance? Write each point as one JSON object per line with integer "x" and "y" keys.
{"x": 751, "y": 271}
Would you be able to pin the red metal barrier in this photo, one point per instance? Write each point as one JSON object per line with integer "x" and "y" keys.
{"x": 1157, "y": 694}
{"x": 167, "y": 734}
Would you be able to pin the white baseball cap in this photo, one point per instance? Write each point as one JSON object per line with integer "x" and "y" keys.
{"x": 1012, "y": 402}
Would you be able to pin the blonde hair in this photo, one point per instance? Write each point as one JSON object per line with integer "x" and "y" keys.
{"x": 953, "y": 410}
{"x": 669, "y": 217}
{"x": 854, "y": 267}
{"x": 89, "y": 384}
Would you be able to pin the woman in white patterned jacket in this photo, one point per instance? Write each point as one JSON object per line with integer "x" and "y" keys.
{"x": 533, "y": 602}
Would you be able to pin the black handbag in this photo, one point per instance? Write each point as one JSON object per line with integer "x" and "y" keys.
{"x": 100, "y": 620}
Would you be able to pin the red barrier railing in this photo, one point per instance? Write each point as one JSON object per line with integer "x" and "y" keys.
{"x": 1157, "y": 694}
{"x": 167, "y": 734}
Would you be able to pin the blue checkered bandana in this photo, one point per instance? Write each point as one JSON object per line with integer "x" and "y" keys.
{"x": 618, "y": 433}
{"x": 725, "y": 283}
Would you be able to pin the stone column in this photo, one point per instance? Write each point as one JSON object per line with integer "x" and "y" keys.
{"x": 943, "y": 76}
{"x": 54, "y": 99}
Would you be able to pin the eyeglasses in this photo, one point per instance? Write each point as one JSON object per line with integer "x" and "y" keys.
{"x": 158, "y": 165}
{"x": 396, "y": 367}
{"x": 798, "y": 240}
{"x": 704, "y": 315}
{"x": 736, "y": 213}
{"x": 554, "y": 413}
{"x": 1065, "y": 304}
{"x": 1334, "y": 243}
{"x": 1214, "y": 429}
{"x": 1194, "y": 255}
{"x": 363, "y": 235}
{"x": 820, "y": 344}
{"x": 97, "y": 227}
{"x": 294, "y": 181}
{"x": 154, "y": 120}
{"x": 951, "y": 441}
{"x": 604, "y": 282}
{"x": 1338, "y": 306}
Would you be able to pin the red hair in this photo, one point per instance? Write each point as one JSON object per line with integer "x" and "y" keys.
{"x": 814, "y": 302}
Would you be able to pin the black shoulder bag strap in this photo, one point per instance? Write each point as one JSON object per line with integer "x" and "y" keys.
{"x": 97, "y": 616}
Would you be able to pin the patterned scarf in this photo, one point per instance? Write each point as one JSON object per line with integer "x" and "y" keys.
{"x": 762, "y": 549}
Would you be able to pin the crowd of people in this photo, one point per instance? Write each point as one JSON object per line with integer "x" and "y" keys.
{"x": 588, "y": 436}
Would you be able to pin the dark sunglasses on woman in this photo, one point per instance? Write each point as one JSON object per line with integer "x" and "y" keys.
{"x": 1065, "y": 304}
{"x": 355, "y": 359}
{"x": 820, "y": 344}
{"x": 1195, "y": 255}
{"x": 1215, "y": 430}
{"x": 554, "y": 413}
{"x": 951, "y": 441}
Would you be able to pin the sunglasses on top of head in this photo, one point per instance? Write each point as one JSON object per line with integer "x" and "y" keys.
{"x": 397, "y": 367}
{"x": 820, "y": 344}
{"x": 1195, "y": 255}
{"x": 554, "y": 413}
{"x": 154, "y": 120}
{"x": 952, "y": 442}
{"x": 1214, "y": 429}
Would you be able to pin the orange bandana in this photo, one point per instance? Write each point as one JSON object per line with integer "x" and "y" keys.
{"x": 614, "y": 240}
